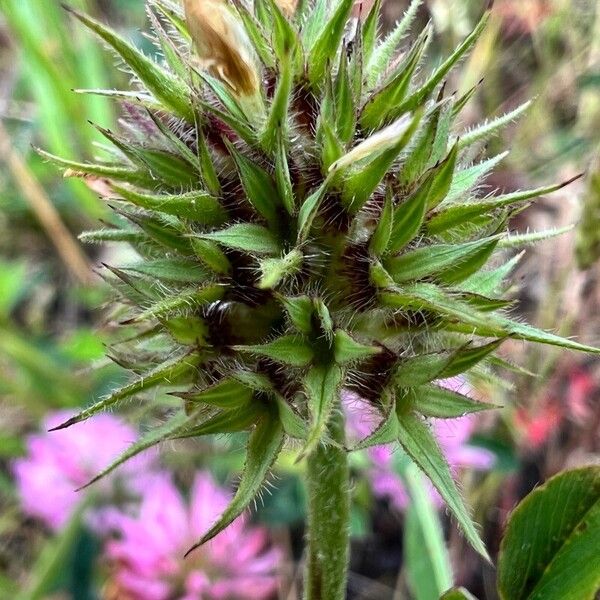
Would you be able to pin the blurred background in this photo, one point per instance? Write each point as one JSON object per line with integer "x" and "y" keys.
{"x": 54, "y": 324}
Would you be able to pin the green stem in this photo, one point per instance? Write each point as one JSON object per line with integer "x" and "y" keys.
{"x": 328, "y": 517}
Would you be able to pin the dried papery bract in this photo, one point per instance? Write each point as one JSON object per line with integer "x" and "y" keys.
{"x": 307, "y": 222}
{"x": 222, "y": 44}
{"x": 288, "y": 7}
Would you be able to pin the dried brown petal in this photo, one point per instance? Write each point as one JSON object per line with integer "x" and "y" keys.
{"x": 222, "y": 44}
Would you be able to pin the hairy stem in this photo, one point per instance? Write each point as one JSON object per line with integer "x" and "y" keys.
{"x": 328, "y": 517}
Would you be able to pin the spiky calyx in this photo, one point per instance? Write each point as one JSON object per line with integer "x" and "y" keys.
{"x": 304, "y": 214}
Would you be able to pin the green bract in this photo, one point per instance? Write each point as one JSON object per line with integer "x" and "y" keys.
{"x": 323, "y": 234}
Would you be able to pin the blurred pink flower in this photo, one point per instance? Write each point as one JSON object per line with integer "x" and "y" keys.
{"x": 148, "y": 552}
{"x": 452, "y": 435}
{"x": 59, "y": 462}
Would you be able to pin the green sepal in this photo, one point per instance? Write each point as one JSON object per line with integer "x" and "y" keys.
{"x": 248, "y": 237}
{"x": 211, "y": 255}
{"x": 285, "y": 41}
{"x": 362, "y": 181}
{"x": 293, "y": 424}
{"x": 282, "y": 177}
{"x": 229, "y": 394}
{"x": 264, "y": 445}
{"x": 443, "y": 178}
{"x": 275, "y": 270}
{"x": 227, "y": 421}
{"x": 300, "y": 310}
{"x": 383, "y": 232}
{"x": 168, "y": 168}
{"x": 308, "y": 211}
{"x": 189, "y": 331}
{"x": 325, "y": 48}
{"x": 409, "y": 216}
{"x": 420, "y": 444}
{"x": 163, "y": 85}
{"x": 179, "y": 270}
{"x": 489, "y": 128}
{"x": 527, "y": 239}
{"x": 490, "y": 282}
{"x": 207, "y": 167}
{"x": 132, "y": 175}
{"x": 439, "y": 402}
{"x": 276, "y": 126}
{"x": 381, "y": 106}
{"x": 346, "y": 349}
{"x": 331, "y": 147}
{"x": 198, "y": 206}
{"x": 288, "y": 350}
{"x": 369, "y": 31}
{"x": 179, "y": 303}
{"x": 257, "y": 35}
{"x": 322, "y": 387}
{"x": 382, "y": 55}
{"x": 465, "y": 358}
{"x": 171, "y": 373}
{"x": 446, "y": 262}
{"x": 421, "y": 369}
{"x": 385, "y": 433}
{"x": 345, "y": 110}
{"x": 174, "y": 426}
{"x": 259, "y": 186}
{"x": 425, "y": 90}
{"x": 324, "y": 316}
{"x": 465, "y": 179}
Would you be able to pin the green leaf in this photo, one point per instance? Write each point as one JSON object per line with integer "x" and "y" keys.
{"x": 383, "y": 54}
{"x": 383, "y": 232}
{"x": 409, "y": 216}
{"x": 447, "y": 262}
{"x": 247, "y": 237}
{"x": 322, "y": 387}
{"x": 288, "y": 350}
{"x": 264, "y": 445}
{"x": 346, "y": 349}
{"x": 550, "y": 547}
{"x": 275, "y": 270}
{"x": 168, "y": 373}
{"x": 420, "y": 444}
{"x": 259, "y": 186}
{"x": 386, "y": 433}
{"x": 229, "y": 393}
{"x": 324, "y": 50}
{"x": 442, "y": 403}
{"x": 427, "y": 562}
{"x": 381, "y": 106}
{"x": 458, "y": 594}
{"x": 165, "y": 87}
